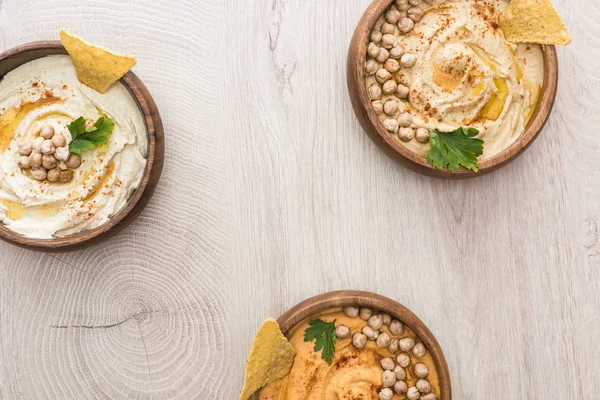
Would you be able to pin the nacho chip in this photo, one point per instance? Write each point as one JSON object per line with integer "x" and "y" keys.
{"x": 271, "y": 358}
{"x": 96, "y": 66}
{"x": 533, "y": 21}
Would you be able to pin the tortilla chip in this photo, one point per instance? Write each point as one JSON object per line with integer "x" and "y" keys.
{"x": 533, "y": 21}
{"x": 271, "y": 358}
{"x": 96, "y": 66}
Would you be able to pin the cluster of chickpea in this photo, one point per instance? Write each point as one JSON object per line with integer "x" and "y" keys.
{"x": 48, "y": 156}
{"x": 394, "y": 370}
{"x": 385, "y": 57}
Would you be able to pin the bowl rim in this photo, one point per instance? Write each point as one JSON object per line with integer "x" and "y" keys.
{"x": 375, "y": 129}
{"x": 342, "y": 298}
{"x": 152, "y": 171}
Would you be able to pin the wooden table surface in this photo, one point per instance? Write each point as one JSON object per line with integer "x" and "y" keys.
{"x": 272, "y": 193}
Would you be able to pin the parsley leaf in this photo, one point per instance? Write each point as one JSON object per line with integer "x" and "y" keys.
{"x": 323, "y": 333}
{"x": 451, "y": 149}
{"x": 88, "y": 139}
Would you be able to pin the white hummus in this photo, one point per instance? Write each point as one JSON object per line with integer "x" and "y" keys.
{"x": 467, "y": 74}
{"x": 46, "y": 91}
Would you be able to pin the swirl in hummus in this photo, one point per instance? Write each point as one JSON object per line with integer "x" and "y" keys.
{"x": 354, "y": 373}
{"x": 46, "y": 92}
{"x": 465, "y": 74}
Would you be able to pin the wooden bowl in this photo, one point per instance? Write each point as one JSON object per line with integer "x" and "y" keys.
{"x": 393, "y": 148}
{"x": 343, "y": 298}
{"x": 18, "y": 56}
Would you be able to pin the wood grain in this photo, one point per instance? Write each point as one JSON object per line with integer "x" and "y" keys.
{"x": 271, "y": 193}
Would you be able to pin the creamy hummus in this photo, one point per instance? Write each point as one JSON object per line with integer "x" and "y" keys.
{"x": 467, "y": 74}
{"x": 46, "y": 91}
{"x": 354, "y": 374}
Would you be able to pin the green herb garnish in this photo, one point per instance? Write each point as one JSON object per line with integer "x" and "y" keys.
{"x": 84, "y": 139}
{"x": 451, "y": 149}
{"x": 323, "y": 333}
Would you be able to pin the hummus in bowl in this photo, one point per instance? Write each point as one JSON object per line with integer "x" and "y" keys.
{"x": 417, "y": 67}
{"x": 403, "y": 362}
{"x": 109, "y": 185}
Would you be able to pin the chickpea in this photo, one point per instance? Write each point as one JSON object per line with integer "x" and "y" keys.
{"x": 386, "y": 394}
{"x": 387, "y": 364}
{"x": 37, "y": 144}
{"x": 406, "y": 134}
{"x": 374, "y": 93}
{"x": 383, "y": 55}
{"x": 65, "y": 176}
{"x": 49, "y": 162}
{"x": 23, "y": 162}
{"x": 388, "y": 41}
{"x": 405, "y": 25}
{"x": 414, "y": 2}
{"x": 370, "y": 333}
{"x": 342, "y": 332}
{"x": 402, "y": 5}
{"x": 35, "y": 159}
{"x": 403, "y": 360}
{"x": 415, "y": 13}
{"x": 406, "y": 344}
{"x": 375, "y": 321}
{"x": 365, "y": 313}
{"x": 390, "y": 87}
{"x": 392, "y": 16}
{"x": 62, "y": 166}
{"x": 351, "y": 312}
{"x": 371, "y": 67}
{"x": 430, "y": 396}
{"x": 53, "y": 175}
{"x": 359, "y": 340}
{"x": 393, "y": 347}
{"x": 25, "y": 148}
{"x": 382, "y": 75}
{"x": 388, "y": 29}
{"x": 391, "y": 65}
{"x": 404, "y": 119}
{"x": 413, "y": 393}
{"x": 408, "y": 60}
{"x": 59, "y": 140}
{"x": 376, "y": 37}
{"x": 390, "y": 108}
{"x": 62, "y": 153}
{"x": 396, "y": 327}
{"x": 402, "y": 91}
{"x": 400, "y": 387}
{"x": 388, "y": 379}
{"x": 400, "y": 373}
{"x": 47, "y": 147}
{"x": 391, "y": 125}
{"x": 373, "y": 50}
{"x": 39, "y": 173}
{"x": 47, "y": 131}
{"x": 74, "y": 161}
{"x": 387, "y": 318}
{"x": 419, "y": 350}
{"x": 396, "y": 52}
{"x": 421, "y": 370}
{"x": 377, "y": 107}
{"x": 423, "y": 385}
{"x": 383, "y": 341}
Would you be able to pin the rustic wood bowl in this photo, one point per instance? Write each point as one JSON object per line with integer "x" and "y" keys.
{"x": 18, "y": 56}
{"x": 375, "y": 129}
{"x": 343, "y": 298}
